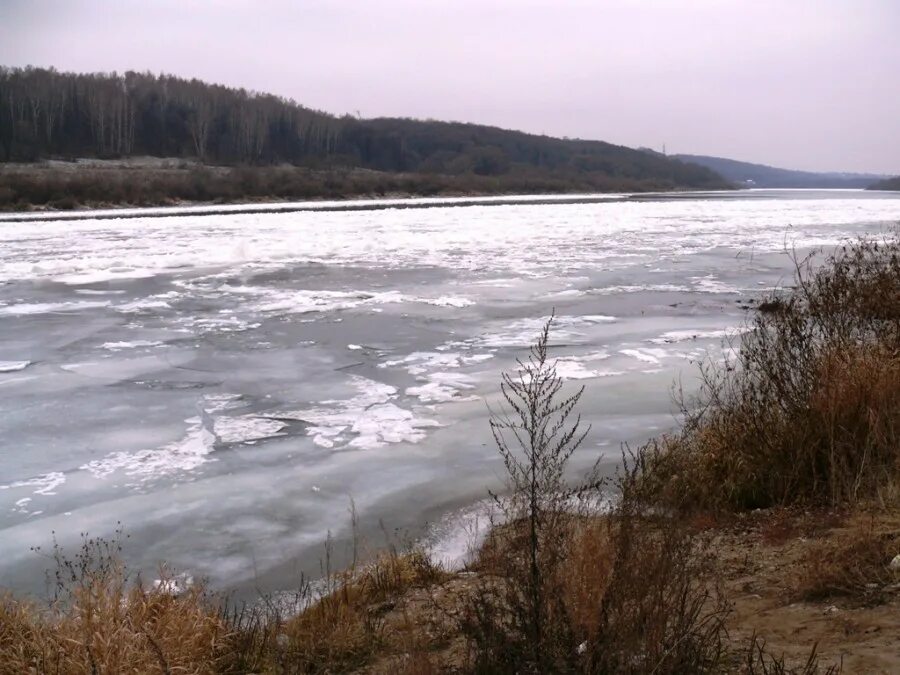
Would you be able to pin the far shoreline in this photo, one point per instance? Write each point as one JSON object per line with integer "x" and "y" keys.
{"x": 352, "y": 203}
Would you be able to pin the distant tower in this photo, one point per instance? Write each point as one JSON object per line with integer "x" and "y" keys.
{"x": 664, "y": 148}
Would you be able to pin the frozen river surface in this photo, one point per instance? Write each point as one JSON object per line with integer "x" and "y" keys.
{"x": 224, "y": 385}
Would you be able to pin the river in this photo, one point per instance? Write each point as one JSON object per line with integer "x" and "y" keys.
{"x": 225, "y": 385}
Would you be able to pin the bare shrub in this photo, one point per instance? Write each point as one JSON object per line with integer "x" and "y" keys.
{"x": 566, "y": 589}
{"x": 810, "y": 410}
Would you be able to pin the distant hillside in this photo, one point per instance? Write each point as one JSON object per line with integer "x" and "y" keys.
{"x": 887, "y": 184}
{"x": 51, "y": 115}
{"x": 762, "y": 176}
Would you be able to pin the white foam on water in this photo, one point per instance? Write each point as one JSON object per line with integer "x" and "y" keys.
{"x": 97, "y": 291}
{"x": 45, "y": 484}
{"x": 13, "y": 366}
{"x": 29, "y": 308}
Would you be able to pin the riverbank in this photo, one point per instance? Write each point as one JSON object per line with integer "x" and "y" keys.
{"x": 154, "y": 182}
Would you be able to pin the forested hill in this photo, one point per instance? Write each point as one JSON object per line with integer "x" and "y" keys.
{"x": 887, "y": 184}
{"x": 746, "y": 174}
{"x": 46, "y": 114}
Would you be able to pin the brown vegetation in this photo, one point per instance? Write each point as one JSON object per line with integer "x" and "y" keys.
{"x": 58, "y": 187}
{"x": 809, "y": 409}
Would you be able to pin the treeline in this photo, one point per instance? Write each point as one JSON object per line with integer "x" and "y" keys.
{"x": 887, "y": 184}
{"x": 45, "y": 114}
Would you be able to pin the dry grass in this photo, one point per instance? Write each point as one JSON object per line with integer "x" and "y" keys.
{"x": 344, "y": 629}
{"x": 810, "y": 411}
{"x": 111, "y": 627}
{"x": 101, "y": 622}
{"x": 853, "y": 564}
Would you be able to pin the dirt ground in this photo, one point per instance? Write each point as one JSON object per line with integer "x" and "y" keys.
{"x": 762, "y": 558}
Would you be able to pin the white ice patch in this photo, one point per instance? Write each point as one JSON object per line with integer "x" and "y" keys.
{"x": 246, "y": 428}
{"x": 20, "y": 505}
{"x": 45, "y": 484}
{"x": 151, "y": 303}
{"x": 175, "y": 585}
{"x": 134, "y": 344}
{"x": 224, "y": 323}
{"x": 524, "y": 332}
{"x": 370, "y": 418}
{"x": 710, "y": 284}
{"x": 659, "y": 288}
{"x": 183, "y": 455}
{"x": 443, "y": 387}
{"x": 305, "y": 301}
{"x": 144, "y": 465}
{"x": 448, "y": 301}
{"x": 685, "y": 335}
{"x": 646, "y": 354}
{"x": 419, "y": 363}
{"x": 456, "y": 538}
{"x": 574, "y": 368}
{"x": 13, "y": 366}
{"x": 28, "y": 308}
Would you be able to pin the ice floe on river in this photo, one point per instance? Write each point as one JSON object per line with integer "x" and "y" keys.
{"x": 368, "y": 420}
{"x": 13, "y": 366}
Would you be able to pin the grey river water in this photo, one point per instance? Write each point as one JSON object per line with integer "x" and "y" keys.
{"x": 223, "y": 385}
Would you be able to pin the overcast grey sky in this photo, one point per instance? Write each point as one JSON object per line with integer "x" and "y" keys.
{"x": 810, "y": 84}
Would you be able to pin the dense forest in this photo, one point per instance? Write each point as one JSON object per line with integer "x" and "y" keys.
{"x": 887, "y": 184}
{"x": 762, "y": 176}
{"x": 45, "y": 114}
